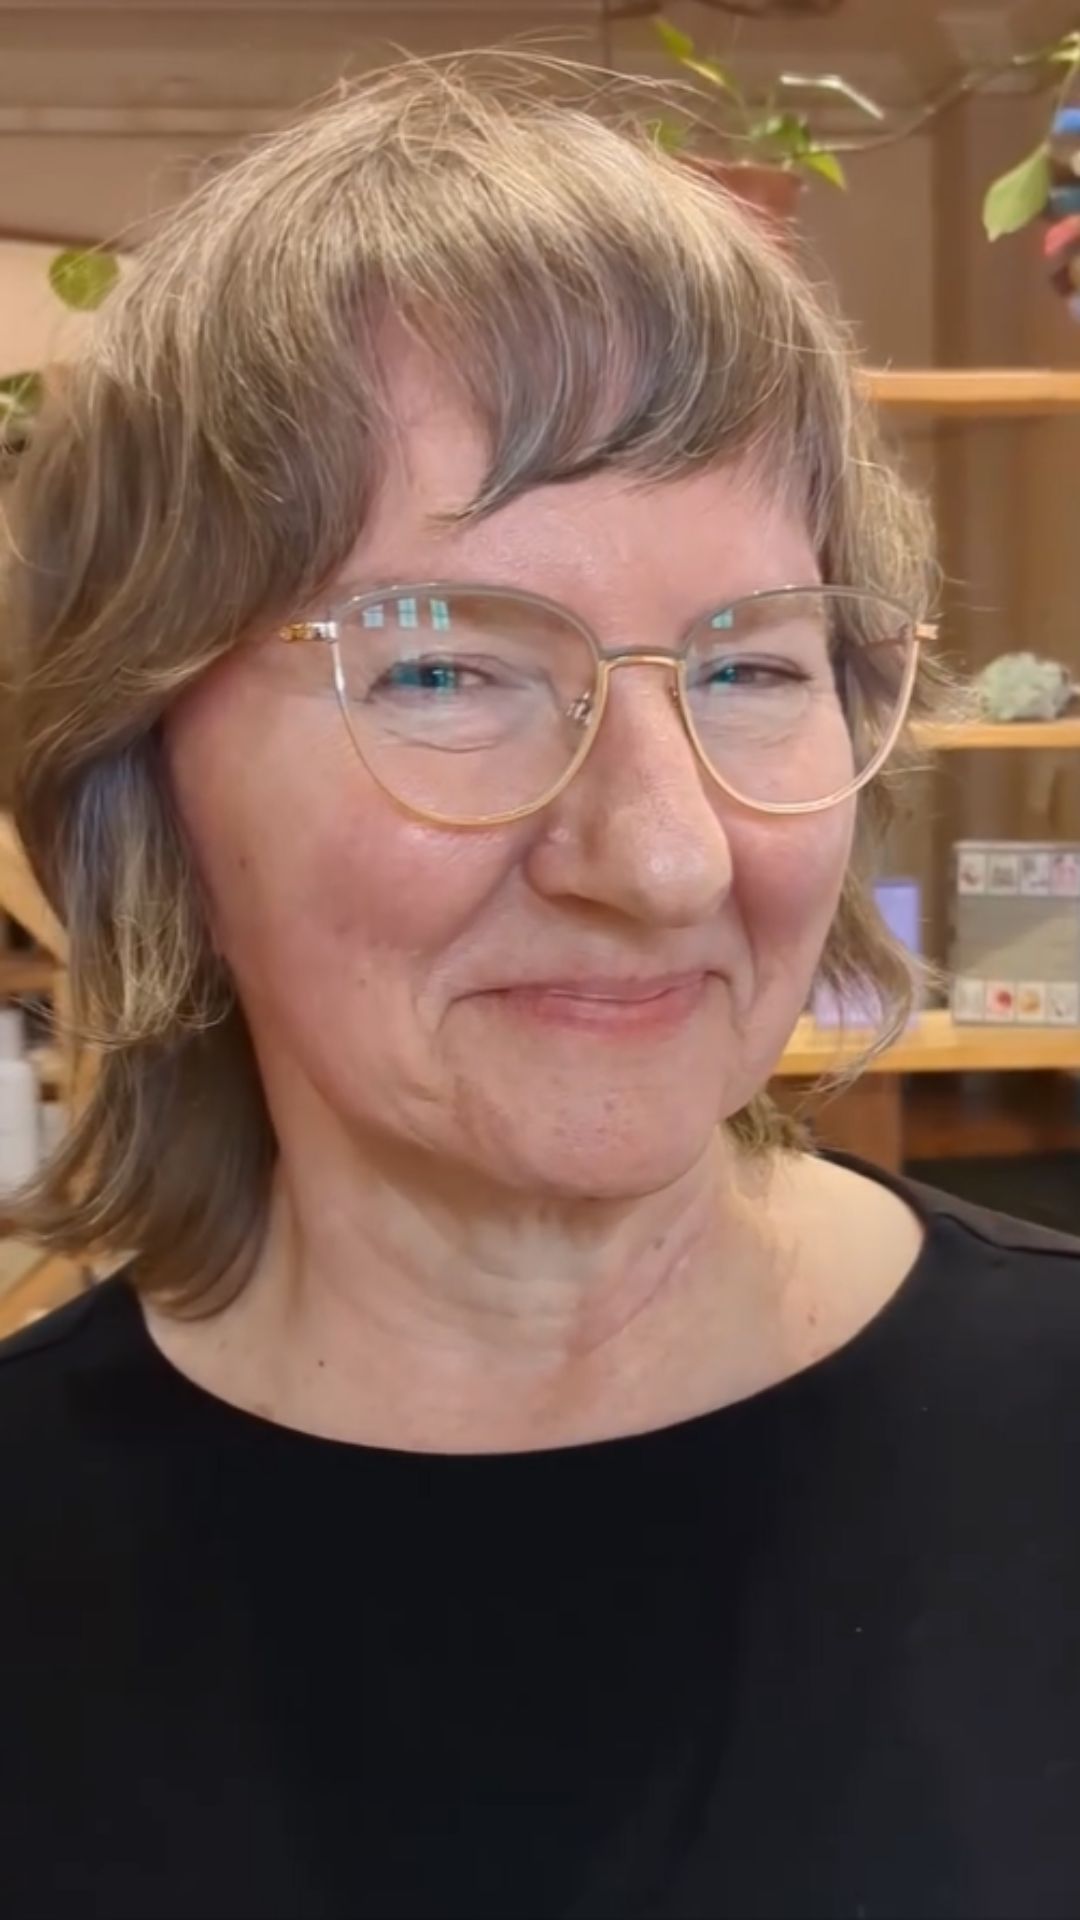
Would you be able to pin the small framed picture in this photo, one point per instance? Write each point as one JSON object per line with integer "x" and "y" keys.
{"x": 969, "y": 1000}
{"x": 1063, "y": 1003}
{"x": 1001, "y": 1000}
{"x": 971, "y": 873}
{"x": 1003, "y": 873}
{"x": 1031, "y": 1002}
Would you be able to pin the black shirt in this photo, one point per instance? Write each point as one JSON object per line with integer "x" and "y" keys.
{"x": 815, "y": 1654}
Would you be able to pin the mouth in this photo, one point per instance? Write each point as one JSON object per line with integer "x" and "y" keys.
{"x": 609, "y": 1006}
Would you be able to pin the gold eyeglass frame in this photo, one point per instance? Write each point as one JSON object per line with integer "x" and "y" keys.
{"x": 326, "y": 630}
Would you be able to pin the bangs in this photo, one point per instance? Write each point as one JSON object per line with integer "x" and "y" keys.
{"x": 599, "y": 305}
{"x": 657, "y": 330}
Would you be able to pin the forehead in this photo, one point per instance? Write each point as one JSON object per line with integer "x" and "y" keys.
{"x": 720, "y": 530}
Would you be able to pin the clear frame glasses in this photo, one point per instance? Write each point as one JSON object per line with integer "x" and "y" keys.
{"x": 476, "y": 706}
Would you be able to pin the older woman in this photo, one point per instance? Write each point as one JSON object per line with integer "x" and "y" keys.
{"x": 461, "y": 619}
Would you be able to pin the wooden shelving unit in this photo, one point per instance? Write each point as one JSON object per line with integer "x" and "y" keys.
{"x": 935, "y": 1044}
{"x": 990, "y": 393}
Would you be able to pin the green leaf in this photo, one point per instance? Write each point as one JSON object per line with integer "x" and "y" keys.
{"x": 83, "y": 279}
{"x": 783, "y": 133}
{"x": 20, "y": 397}
{"x": 712, "y": 71}
{"x": 20, "y": 393}
{"x": 1018, "y": 195}
{"x": 682, "y": 49}
{"x": 818, "y": 160}
{"x": 678, "y": 44}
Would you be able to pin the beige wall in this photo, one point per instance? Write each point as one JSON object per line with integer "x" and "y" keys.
{"x": 34, "y": 326}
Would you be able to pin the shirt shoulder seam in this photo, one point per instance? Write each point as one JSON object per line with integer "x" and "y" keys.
{"x": 1001, "y": 1231}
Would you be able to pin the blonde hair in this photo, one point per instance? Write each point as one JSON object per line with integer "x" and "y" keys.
{"x": 205, "y": 466}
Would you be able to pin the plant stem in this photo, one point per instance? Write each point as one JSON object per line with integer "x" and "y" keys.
{"x": 951, "y": 94}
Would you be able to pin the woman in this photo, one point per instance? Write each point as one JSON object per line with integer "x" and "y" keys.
{"x": 511, "y": 1475}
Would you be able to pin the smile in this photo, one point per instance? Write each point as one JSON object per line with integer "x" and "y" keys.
{"x": 609, "y": 1005}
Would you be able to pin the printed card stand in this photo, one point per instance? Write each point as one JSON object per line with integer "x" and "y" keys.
{"x": 1014, "y": 949}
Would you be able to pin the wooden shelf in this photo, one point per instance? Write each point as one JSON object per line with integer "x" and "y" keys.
{"x": 989, "y": 392}
{"x": 935, "y": 1044}
{"x": 49, "y": 1281}
{"x": 965, "y": 736}
{"x": 20, "y": 896}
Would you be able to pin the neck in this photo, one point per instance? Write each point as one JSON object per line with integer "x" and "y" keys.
{"x": 416, "y": 1252}
{"x": 400, "y": 1301}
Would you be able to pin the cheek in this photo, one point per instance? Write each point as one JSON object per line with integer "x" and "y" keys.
{"x": 317, "y": 885}
{"x": 788, "y": 874}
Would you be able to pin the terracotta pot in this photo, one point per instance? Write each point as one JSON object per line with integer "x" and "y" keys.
{"x": 771, "y": 192}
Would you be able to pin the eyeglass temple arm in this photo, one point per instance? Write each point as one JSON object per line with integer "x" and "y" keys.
{"x": 308, "y": 630}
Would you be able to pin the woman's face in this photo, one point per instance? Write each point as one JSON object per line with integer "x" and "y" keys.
{"x": 568, "y": 1004}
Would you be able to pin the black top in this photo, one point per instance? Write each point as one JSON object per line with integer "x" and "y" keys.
{"x": 815, "y": 1654}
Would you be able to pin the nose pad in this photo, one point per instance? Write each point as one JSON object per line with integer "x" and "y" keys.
{"x": 589, "y": 709}
{"x": 670, "y": 663}
{"x": 674, "y": 689}
{"x": 636, "y": 832}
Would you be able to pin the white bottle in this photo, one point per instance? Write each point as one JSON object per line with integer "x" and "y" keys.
{"x": 12, "y": 1033}
{"x": 20, "y": 1137}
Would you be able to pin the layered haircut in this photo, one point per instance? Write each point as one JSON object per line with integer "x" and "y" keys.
{"x": 204, "y": 468}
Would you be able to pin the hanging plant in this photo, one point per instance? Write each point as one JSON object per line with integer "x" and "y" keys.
{"x": 1026, "y": 190}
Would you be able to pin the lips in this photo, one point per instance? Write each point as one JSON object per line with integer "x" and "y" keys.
{"x": 613, "y": 1006}
{"x": 617, "y": 990}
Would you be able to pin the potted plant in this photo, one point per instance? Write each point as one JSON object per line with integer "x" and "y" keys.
{"x": 766, "y": 150}
{"x": 761, "y": 150}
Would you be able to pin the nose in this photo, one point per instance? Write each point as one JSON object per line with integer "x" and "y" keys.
{"x": 637, "y": 830}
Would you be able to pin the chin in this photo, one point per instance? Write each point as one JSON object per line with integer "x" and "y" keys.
{"x": 610, "y": 1147}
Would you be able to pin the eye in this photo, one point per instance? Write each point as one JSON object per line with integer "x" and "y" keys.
{"x": 431, "y": 676}
{"x": 741, "y": 672}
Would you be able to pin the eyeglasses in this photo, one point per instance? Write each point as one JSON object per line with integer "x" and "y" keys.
{"x": 476, "y": 706}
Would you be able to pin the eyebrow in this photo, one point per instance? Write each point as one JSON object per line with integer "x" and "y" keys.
{"x": 381, "y": 583}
